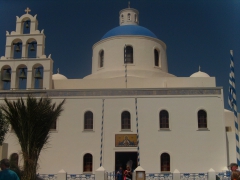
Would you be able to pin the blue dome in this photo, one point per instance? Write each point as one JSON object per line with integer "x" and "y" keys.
{"x": 129, "y": 30}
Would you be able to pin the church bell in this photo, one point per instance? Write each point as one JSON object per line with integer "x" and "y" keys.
{"x": 17, "y": 48}
{"x": 27, "y": 25}
{"x": 22, "y": 75}
{"x": 32, "y": 47}
{"x": 7, "y": 76}
{"x": 38, "y": 74}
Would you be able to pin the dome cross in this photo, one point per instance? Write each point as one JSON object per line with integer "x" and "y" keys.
{"x": 27, "y": 10}
{"x": 128, "y": 4}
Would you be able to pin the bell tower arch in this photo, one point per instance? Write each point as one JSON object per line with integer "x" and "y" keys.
{"x": 25, "y": 47}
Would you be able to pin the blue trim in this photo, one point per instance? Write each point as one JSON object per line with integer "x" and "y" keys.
{"x": 129, "y": 30}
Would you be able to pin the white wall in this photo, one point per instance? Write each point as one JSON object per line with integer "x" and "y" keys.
{"x": 190, "y": 150}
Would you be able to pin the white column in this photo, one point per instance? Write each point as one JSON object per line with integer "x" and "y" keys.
{"x": 24, "y": 50}
{"x": 13, "y": 80}
{"x": 30, "y": 82}
{"x": 176, "y": 174}
{"x": 139, "y": 173}
{"x": 8, "y": 52}
{"x": 62, "y": 175}
{"x": 47, "y": 80}
{"x": 18, "y": 27}
{"x": 211, "y": 174}
{"x": 100, "y": 173}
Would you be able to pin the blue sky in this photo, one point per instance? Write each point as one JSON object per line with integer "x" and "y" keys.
{"x": 196, "y": 32}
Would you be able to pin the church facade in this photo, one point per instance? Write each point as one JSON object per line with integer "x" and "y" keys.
{"x": 130, "y": 108}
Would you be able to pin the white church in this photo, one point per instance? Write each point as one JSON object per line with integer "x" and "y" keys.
{"x": 129, "y": 108}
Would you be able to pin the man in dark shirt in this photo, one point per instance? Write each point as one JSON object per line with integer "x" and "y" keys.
{"x": 6, "y": 173}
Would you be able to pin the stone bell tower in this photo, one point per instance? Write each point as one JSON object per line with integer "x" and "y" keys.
{"x": 25, "y": 59}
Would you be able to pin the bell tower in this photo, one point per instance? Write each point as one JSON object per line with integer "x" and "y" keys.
{"x": 128, "y": 16}
{"x": 25, "y": 65}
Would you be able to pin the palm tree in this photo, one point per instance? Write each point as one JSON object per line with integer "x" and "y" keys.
{"x": 31, "y": 120}
{"x": 3, "y": 127}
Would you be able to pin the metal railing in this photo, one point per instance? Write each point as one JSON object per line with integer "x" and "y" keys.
{"x": 224, "y": 175}
{"x": 48, "y": 176}
{"x": 194, "y": 176}
{"x": 69, "y": 176}
{"x": 159, "y": 176}
{"x": 81, "y": 177}
{"x": 110, "y": 175}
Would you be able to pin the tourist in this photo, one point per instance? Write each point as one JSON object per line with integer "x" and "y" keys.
{"x": 233, "y": 167}
{"x": 129, "y": 164}
{"x": 119, "y": 175}
{"x": 235, "y": 175}
{"x": 6, "y": 173}
{"x": 127, "y": 174}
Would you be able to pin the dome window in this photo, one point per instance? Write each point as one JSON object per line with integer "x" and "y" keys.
{"x": 101, "y": 58}
{"x": 156, "y": 57}
{"x": 128, "y": 55}
{"x": 135, "y": 17}
{"x": 129, "y": 16}
{"x": 122, "y": 18}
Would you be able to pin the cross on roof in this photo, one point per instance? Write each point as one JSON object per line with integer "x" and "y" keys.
{"x": 27, "y": 10}
{"x": 58, "y": 70}
{"x": 128, "y": 4}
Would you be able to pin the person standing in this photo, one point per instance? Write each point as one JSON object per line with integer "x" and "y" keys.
{"x": 233, "y": 167}
{"x": 127, "y": 174}
{"x": 119, "y": 175}
{"x": 129, "y": 164}
{"x": 6, "y": 173}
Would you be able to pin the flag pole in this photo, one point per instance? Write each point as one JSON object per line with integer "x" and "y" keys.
{"x": 232, "y": 101}
{"x": 125, "y": 61}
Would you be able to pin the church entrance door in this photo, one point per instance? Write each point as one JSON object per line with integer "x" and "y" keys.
{"x": 122, "y": 158}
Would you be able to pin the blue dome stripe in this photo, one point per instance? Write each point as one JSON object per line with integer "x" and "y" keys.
{"x": 129, "y": 30}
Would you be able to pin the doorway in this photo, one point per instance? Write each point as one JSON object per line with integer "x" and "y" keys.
{"x": 121, "y": 159}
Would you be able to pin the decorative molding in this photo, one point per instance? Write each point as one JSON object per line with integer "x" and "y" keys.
{"x": 112, "y": 92}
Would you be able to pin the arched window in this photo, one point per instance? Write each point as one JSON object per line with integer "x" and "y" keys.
{"x": 156, "y": 57}
{"x": 101, "y": 58}
{"x": 6, "y": 73}
{"x": 88, "y": 120}
{"x": 129, "y": 16}
{"x": 202, "y": 119}
{"x": 54, "y": 125}
{"x": 122, "y": 16}
{"x": 165, "y": 162}
{"x": 17, "y": 46}
{"x": 164, "y": 119}
{"x": 128, "y": 56}
{"x": 26, "y": 24}
{"x": 21, "y": 77}
{"x": 38, "y": 74}
{"x": 31, "y": 48}
{"x": 87, "y": 163}
{"x": 126, "y": 120}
